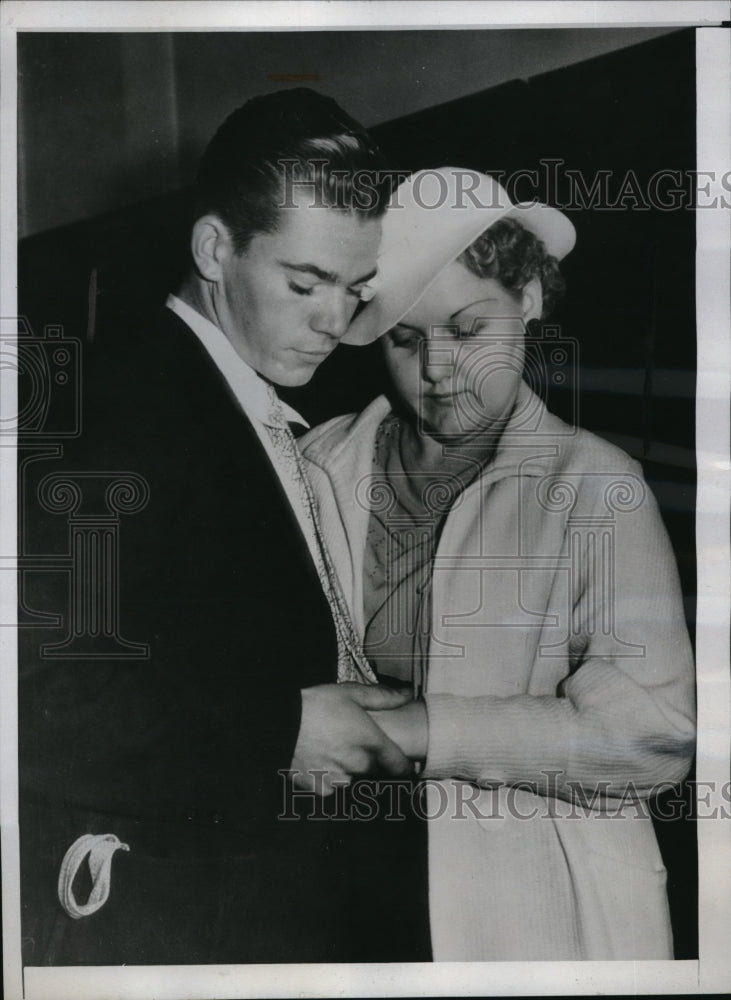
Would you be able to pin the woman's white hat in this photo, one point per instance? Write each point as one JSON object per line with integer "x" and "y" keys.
{"x": 432, "y": 217}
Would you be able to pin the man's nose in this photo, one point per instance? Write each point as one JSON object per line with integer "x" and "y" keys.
{"x": 333, "y": 314}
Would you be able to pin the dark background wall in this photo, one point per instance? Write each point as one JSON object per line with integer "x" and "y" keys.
{"x": 629, "y": 309}
{"x": 108, "y": 119}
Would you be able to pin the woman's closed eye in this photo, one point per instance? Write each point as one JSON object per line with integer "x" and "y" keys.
{"x": 404, "y": 336}
{"x": 471, "y": 328}
{"x": 488, "y": 328}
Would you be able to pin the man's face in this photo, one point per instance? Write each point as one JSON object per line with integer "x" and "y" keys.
{"x": 288, "y": 299}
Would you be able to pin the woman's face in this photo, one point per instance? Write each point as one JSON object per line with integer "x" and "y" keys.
{"x": 456, "y": 359}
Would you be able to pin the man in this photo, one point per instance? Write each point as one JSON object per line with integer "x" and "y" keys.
{"x": 151, "y": 787}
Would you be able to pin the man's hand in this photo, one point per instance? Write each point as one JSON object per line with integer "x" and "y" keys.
{"x": 407, "y": 727}
{"x": 338, "y": 737}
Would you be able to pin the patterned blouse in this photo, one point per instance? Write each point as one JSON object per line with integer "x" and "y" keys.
{"x": 408, "y": 509}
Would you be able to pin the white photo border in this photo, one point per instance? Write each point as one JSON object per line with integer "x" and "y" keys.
{"x": 712, "y": 972}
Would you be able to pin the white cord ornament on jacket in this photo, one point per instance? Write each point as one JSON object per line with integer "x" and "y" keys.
{"x": 99, "y": 848}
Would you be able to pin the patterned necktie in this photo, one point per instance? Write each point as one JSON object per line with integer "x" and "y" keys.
{"x": 352, "y": 662}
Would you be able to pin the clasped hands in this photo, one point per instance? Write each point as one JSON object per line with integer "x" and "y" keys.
{"x": 351, "y": 730}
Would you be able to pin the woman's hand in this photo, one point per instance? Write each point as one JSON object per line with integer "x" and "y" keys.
{"x": 407, "y": 727}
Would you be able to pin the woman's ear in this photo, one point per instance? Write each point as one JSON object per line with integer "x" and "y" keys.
{"x": 210, "y": 244}
{"x": 532, "y": 300}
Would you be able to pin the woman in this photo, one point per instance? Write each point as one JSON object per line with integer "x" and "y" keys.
{"x": 516, "y": 571}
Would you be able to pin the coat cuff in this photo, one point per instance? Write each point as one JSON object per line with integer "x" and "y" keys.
{"x": 489, "y": 740}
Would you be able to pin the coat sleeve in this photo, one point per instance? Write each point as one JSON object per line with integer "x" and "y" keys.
{"x": 622, "y": 721}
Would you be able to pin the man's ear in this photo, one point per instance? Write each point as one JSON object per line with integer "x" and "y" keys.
{"x": 532, "y": 300}
{"x": 210, "y": 245}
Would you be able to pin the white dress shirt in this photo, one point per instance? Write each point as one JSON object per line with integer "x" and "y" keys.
{"x": 252, "y": 394}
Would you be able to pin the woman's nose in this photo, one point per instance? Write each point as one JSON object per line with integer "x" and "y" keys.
{"x": 437, "y": 363}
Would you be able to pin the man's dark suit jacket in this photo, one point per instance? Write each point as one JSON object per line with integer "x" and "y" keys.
{"x": 178, "y": 753}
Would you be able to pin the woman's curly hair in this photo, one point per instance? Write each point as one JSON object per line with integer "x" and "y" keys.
{"x": 512, "y": 255}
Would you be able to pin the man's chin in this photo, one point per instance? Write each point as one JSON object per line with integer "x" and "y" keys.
{"x": 293, "y": 379}
{"x": 298, "y": 373}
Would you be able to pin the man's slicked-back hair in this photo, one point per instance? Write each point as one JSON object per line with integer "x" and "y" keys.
{"x": 282, "y": 146}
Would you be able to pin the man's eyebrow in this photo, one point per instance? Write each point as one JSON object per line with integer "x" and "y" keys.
{"x": 330, "y": 276}
{"x": 469, "y": 306}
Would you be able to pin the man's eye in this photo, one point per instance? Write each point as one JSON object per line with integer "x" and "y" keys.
{"x": 301, "y": 289}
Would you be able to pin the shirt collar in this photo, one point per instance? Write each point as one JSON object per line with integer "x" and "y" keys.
{"x": 249, "y": 388}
